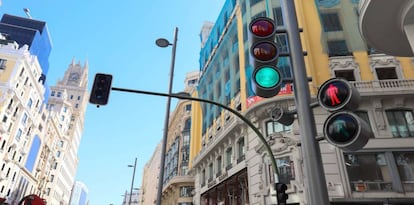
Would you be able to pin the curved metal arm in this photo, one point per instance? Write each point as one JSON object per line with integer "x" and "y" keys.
{"x": 186, "y": 96}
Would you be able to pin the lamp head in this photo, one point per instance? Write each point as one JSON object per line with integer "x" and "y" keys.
{"x": 162, "y": 42}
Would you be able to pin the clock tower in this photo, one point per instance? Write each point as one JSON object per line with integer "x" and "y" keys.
{"x": 67, "y": 104}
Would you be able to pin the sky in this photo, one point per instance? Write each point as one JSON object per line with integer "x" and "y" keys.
{"x": 118, "y": 38}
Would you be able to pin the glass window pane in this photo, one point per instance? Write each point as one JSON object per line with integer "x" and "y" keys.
{"x": 401, "y": 123}
{"x": 286, "y": 169}
{"x": 405, "y": 164}
{"x": 368, "y": 172}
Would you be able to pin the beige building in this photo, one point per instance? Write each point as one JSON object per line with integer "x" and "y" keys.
{"x": 178, "y": 184}
{"x": 149, "y": 183}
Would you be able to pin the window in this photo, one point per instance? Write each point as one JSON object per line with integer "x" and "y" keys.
{"x": 386, "y": 73}
{"x": 218, "y": 165}
{"x": 405, "y": 166}
{"x": 346, "y": 74}
{"x": 24, "y": 118}
{"x": 331, "y": 22}
{"x": 373, "y": 171}
{"x": 368, "y": 172}
{"x": 275, "y": 127}
{"x": 277, "y": 14}
{"x": 3, "y": 64}
{"x": 53, "y": 93}
{"x": 188, "y": 108}
{"x": 18, "y": 134}
{"x": 186, "y": 191}
{"x": 210, "y": 172}
{"x": 364, "y": 116}
{"x": 228, "y": 157}
{"x": 203, "y": 177}
{"x": 286, "y": 169}
{"x": 192, "y": 82}
{"x": 253, "y": 2}
{"x": 59, "y": 94}
{"x": 240, "y": 147}
{"x": 29, "y": 103}
{"x": 401, "y": 122}
{"x": 338, "y": 48}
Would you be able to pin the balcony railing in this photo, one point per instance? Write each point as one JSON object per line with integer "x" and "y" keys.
{"x": 384, "y": 86}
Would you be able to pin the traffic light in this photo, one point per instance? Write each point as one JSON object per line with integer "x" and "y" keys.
{"x": 101, "y": 89}
{"x": 264, "y": 53}
{"x": 279, "y": 115}
{"x": 343, "y": 128}
{"x": 281, "y": 195}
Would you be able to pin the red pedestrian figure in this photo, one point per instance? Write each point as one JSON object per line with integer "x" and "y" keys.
{"x": 332, "y": 92}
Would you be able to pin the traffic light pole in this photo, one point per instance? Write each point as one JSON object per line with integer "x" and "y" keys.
{"x": 316, "y": 182}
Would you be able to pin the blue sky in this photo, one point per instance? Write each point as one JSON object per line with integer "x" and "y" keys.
{"x": 118, "y": 37}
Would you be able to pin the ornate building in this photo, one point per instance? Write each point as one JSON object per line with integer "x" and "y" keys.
{"x": 228, "y": 160}
{"x": 39, "y": 142}
{"x": 178, "y": 184}
{"x": 67, "y": 106}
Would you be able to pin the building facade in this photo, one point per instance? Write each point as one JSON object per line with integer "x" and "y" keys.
{"x": 149, "y": 186}
{"x": 79, "y": 194}
{"x": 67, "y": 106}
{"x": 39, "y": 137}
{"x": 21, "y": 112}
{"x": 132, "y": 198}
{"x": 178, "y": 184}
{"x": 229, "y": 162}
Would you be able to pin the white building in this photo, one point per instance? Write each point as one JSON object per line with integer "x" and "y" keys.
{"x": 79, "y": 194}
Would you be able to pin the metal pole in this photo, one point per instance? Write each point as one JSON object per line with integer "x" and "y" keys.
{"x": 167, "y": 119}
{"x": 316, "y": 182}
{"x": 132, "y": 182}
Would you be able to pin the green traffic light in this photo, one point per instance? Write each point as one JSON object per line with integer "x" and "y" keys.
{"x": 267, "y": 77}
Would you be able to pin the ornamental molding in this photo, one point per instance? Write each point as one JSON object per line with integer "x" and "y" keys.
{"x": 343, "y": 63}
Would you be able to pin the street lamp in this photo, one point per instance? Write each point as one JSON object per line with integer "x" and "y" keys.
{"x": 162, "y": 42}
{"x": 132, "y": 182}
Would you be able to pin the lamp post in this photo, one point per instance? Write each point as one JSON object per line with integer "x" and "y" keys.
{"x": 162, "y": 42}
{"x": 132, "y": 182}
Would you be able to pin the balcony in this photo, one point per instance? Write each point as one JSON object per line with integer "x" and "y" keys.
{"x": 385, "y": 87}
{"x": 388, "y": 25}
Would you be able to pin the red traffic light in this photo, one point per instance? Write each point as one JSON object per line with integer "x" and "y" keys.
{"x": 265, "y": 51}
{"x": 262, "y": 27}
{"x": 337, "y": 93}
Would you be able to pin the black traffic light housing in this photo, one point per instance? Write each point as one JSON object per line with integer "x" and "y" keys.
{"x": 347, "y": 131}
{"x": 343, "y": 128}
{"x": 264, "y": 53}
{"x": 279, "y": 115}
{"x": 101, "y": 89}
{"x": 281, "y": 195}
